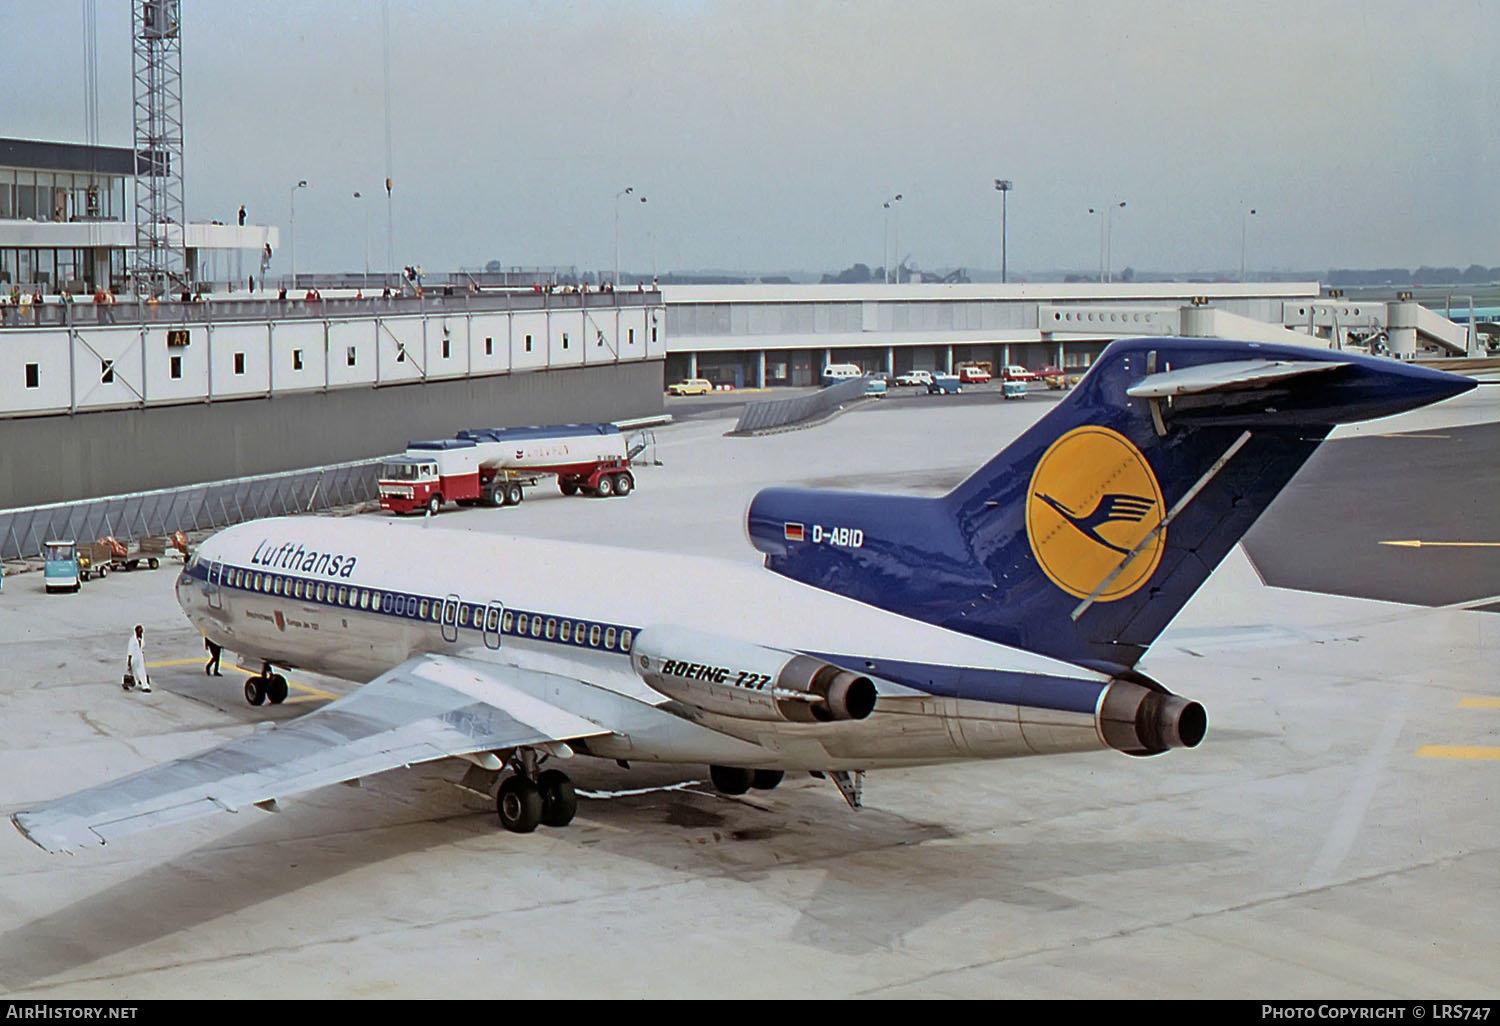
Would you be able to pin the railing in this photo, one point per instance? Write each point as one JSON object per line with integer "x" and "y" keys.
{"x": 84, "y": 313}
{"x": 24, "y": 531}
{"x": 779, "y": 414}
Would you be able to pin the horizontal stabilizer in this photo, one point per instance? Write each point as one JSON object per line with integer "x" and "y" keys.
{"x": 1234, "y": 376}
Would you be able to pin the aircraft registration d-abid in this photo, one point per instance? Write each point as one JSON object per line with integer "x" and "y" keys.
{"x": 1001, "y": 620}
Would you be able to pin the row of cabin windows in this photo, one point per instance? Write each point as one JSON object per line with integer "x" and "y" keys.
{"x": 469, "y": 616}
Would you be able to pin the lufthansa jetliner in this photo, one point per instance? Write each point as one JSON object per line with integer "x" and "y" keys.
{"x": 1003, "y": 619}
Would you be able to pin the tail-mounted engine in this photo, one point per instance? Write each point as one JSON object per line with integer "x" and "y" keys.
{"x": 1139, "y": 720}
{"x": 735, "y": 678}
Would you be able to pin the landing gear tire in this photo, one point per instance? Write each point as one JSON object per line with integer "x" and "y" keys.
{"x": 255, "y": 692}
{"x": 623, "y": 484}
{"x": 276, "y": 689}
{"x": 731, "y": 779}
{"x": 605, "y": 488}
{"x": 519, "y": 803}
{"x": 514, "y": 496}
{"x": 567, "y": 487}
{"x": 765, "y": 780}
{"x": 559, "y": 801}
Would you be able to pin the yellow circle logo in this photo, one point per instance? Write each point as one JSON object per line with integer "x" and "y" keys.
{"x": 1091, "y": 502}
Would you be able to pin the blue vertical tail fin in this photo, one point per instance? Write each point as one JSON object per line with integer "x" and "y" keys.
{"x": 1086, "y": 535}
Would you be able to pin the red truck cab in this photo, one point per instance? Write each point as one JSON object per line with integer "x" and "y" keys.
{"x": 430, "y": 474}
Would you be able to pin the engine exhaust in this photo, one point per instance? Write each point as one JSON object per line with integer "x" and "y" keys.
{"x": 1139, "y": 721}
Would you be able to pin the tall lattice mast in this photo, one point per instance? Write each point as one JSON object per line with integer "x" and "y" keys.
{"x": 160, "y": 209}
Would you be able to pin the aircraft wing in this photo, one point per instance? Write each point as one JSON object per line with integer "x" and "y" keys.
{"x": 429, "y": 707}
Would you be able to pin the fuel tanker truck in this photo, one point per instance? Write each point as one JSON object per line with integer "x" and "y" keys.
{"x": 494, "y": 466}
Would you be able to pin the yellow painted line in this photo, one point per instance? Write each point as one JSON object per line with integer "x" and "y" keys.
{"x": 310, "y": 693}
{"x": 1479, "y": 703}
{"x": 1416, "y": 544}
{"x": 1459, "y": 752}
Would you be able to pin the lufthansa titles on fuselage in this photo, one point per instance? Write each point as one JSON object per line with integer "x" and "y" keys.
{"x": 303, "y": 560}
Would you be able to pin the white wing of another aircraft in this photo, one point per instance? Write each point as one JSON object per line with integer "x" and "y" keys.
{"x": 429, "y": 707}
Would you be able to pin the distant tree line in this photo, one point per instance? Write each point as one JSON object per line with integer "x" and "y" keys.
{"x": 1474, "y": 274}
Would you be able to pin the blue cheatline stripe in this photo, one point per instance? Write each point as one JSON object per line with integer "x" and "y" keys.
{"x": 534, "y": 625}
{"x": 1009, "y": 687}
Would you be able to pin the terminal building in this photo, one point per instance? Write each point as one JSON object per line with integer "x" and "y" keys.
{"x": 768, "y": 335}
{"x": 66, "y": 225}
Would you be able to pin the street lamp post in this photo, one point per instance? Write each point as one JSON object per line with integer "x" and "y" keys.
{"x": 293, "y": 194}
{"x": 628, "y": 190}
{"x": 366, "y": 211}
{"x": 890, "y": 207}
{"x": 1003, "y": 187}
{"x": 1105, "y": 229}
{"x": 1244, "y": 227}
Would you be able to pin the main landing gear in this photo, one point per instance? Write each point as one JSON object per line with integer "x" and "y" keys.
{"x": 527, "y": 798}
{"x": 738, "y": 780}
{"x": 266, "y": 684}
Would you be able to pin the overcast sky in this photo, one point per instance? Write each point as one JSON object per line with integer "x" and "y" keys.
{"x": 766, "y": 134}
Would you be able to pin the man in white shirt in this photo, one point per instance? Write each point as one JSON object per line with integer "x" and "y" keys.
{"x": 135, "y": 661}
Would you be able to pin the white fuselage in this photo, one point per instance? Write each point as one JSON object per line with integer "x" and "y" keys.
{"x": 353, "y": 598}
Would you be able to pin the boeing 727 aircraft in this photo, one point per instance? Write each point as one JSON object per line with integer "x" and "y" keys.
{"x": 1004, "y": 619}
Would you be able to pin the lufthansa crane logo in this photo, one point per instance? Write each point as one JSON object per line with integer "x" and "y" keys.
{"x": 1092, "y": 501}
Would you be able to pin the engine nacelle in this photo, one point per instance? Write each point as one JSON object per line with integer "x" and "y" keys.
{"x": 736, "y": 678}
{"x": 1140, "y": 721}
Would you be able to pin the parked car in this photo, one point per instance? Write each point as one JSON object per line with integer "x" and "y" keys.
{"x": 915, "y": 378}
{"x": 944, "y": 384}
{"x": 1014, "y": 372}
{"x": 875, "y": 386}
{"x": 972, "y": 374}
{"x": 690, "y": 386}
{"x": 1013, "y": 390}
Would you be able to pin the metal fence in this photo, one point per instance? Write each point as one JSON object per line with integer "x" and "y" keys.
{"x": 778, "y": 414}
{"x": 189, "y": 508}
{"x": 266, "y": 306}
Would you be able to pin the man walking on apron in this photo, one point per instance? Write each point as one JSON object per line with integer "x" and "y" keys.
{"x": 135, "y": 662}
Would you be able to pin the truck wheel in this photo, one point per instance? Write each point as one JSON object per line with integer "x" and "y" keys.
{"x": 514, "y": 495}
{"x": 153, "y": 562}
{"x": 606, "y": 487}
{"x": 624, "y": 483}
{"x": 103, "y": 571}
{"x": 434, "y": 504}
{"x": 567, "y": 486}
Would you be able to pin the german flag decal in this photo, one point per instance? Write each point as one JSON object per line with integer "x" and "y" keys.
{"x": 793, "y": 532}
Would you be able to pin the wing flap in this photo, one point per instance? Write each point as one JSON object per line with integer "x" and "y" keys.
{"x": 1234, "y": 376}
{"x": 427, "y": 708}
